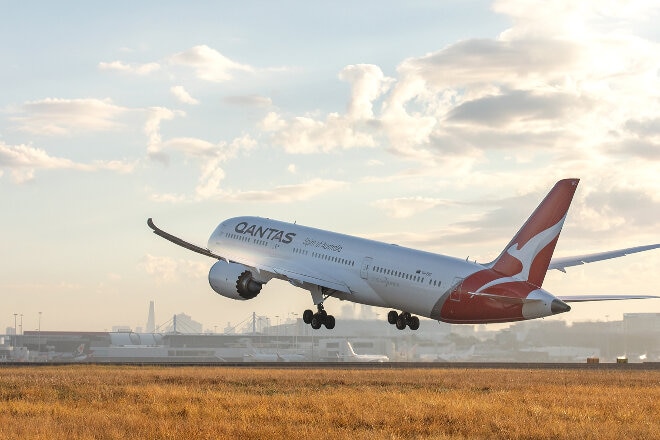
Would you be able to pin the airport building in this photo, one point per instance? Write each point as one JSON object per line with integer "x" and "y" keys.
{"x": 636, "y": 337}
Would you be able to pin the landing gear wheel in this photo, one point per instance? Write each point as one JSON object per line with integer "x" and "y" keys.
{"x": 392, "y": 316}
{"x": 329, "y": 322}
{"x": 413, "y": 323}
{"x": 317, "y": 321}
{"x": 401, "y": 322}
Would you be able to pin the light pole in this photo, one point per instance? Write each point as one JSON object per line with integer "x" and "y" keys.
{"x": 15, "y": 339}
{"x": 39, "y": 337}
{"x": 295, "y": 329}
{"x": 277, "y": 333}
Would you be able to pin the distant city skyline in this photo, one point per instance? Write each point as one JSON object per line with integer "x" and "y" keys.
{"x": 434, "y": 125}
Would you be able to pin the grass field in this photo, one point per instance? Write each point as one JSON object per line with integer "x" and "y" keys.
{"x": 99, "y": 402}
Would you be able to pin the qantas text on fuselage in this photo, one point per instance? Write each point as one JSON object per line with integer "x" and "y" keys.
{"x": 251, "y": 251}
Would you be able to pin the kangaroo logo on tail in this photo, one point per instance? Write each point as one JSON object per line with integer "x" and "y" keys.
{"x": 528, "y": 254}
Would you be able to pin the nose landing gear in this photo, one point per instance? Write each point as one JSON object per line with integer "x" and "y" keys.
{"x": 316, "y": 320}
{"x": 402, "y": 320}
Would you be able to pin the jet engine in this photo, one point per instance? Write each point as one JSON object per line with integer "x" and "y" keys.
{"x": 234, "y": 281}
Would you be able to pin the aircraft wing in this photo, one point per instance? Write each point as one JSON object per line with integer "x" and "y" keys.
{"x": 298, "y": 276}
{"x": 564, "y": 262}
{"x": 585, "y": 298}
{"x": 182, "y": 243}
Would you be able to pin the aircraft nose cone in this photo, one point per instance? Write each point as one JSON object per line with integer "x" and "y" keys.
{"x": 559, "y": 306}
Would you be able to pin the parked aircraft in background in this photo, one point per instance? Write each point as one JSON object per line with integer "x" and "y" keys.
{"x": 256, "y": 356}
{"x": 349, "y": 355}
{"x": 252, "y": 251}
{"x": 78, "y": 355}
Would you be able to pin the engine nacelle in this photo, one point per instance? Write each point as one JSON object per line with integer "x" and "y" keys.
{"x": 234, "y": 281}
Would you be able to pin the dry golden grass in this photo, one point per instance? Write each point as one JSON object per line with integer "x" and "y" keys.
{"x": 106, "y": 402}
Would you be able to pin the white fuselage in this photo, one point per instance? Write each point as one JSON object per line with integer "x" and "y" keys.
{"x": 373, "y": 273}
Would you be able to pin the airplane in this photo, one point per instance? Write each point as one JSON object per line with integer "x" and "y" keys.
{"x": 350, "y": 355}
{"x": 254, "y": 355}
{"x": 252, "y": 251}
{"x": 78, "y": 355}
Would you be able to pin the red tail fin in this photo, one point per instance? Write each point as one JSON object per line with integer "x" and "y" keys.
{"x": 528, "y": 254}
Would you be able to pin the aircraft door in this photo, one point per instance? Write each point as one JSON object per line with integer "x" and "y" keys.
{"x": 366, "y": 266}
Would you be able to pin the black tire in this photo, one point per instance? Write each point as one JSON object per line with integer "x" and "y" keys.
{"x": 329, "y": 322}
{"x": 392, "y": 316}
{"x": 317, "y": 321}
{"x": 401, "y": 322}
{"x": 307, "y": 316}
{"x": 413, "y": 323}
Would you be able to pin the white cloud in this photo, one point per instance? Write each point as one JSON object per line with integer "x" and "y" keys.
{"x": 368, "y": 84}
{"x": 152, "y": 130}
{"x": 568, "y": 83}
{"x": 23, "y": 161}
{"x": 287, "y": 193}
{"x": 183, "y": 96}
{"x": 210, "y": 157}
{"x": 404, "y": 207}
{"x": 137, "y": 69}
{"x": 249, "y": 101}
{"x": 191, "y": 147}
{"x": 305, "y": 134}
{"x": 55, "y": 116}
{"x": 209, "y": 64}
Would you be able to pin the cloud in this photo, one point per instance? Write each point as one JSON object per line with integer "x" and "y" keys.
{"x": 519, "y": 106}
{"x": 484, "y": 63}
{"x": 404, "y": 207}
{"x": 212, "y": 175}
{"x": 23, "y": 161}
{"x": 137, "y": 69}
{"x": 286, "y": 193}
{"x": 54, "y": 116}
{"x": 210, "y": 157}
{"x": 209, "y": 64}
{"x": 568, "y": 83}
{"x": 306, "y": 135}
{"x": 368, "y": 83}
{"x": 249, "y": 101}
{"x": 355, "y": 129}
{"x": 183, "y": 96}
{"x": 152, "y": 130}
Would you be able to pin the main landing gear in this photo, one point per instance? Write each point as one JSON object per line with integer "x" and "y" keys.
{"x": 319, "y": 318}
{"x": 402, "y": 320}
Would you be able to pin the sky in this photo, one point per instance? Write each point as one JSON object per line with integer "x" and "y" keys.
{"x": 438, "y": 125}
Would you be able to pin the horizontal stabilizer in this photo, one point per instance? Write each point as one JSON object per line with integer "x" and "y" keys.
{"x": 564, "y": 262}
{"x": 504, "y": 299}
{"x": 586, "y": 298}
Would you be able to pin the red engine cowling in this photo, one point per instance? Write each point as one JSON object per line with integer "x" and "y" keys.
{"x": 233, "y": 281}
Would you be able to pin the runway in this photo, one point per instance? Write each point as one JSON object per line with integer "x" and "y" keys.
{"x": 644, "y": 366}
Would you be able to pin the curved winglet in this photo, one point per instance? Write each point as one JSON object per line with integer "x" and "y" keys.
{"x": 182, "y": 243}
